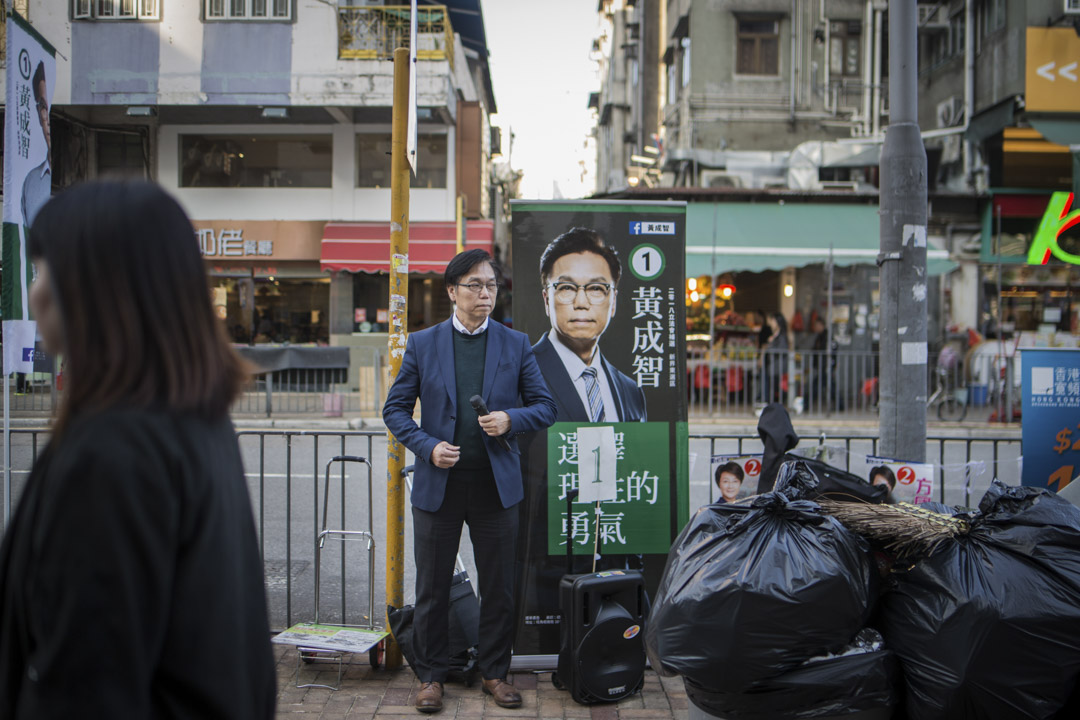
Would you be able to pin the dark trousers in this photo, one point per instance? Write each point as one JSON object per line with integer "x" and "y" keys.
{"x": 471, "y": 497}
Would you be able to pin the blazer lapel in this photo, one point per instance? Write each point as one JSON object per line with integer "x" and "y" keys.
{"x": 559, "y": 382}
{"x": 616, "y": 390}
{"x": 492, "y": 356}
{"x": 444, "y": 348}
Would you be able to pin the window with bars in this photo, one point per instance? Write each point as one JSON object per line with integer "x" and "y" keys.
{"x": 845, "y": 48}
{"x": 273, "y": 10}
{"x": 758, "y": 46}
{"x": 116, "y": 9}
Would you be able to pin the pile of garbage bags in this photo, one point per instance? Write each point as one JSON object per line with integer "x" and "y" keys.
{"x": 763, "y": 608}
{"x": 771, "y": 608}
{"x": 989, "y": 625}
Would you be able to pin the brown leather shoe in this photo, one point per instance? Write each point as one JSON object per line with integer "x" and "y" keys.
{"x": 505, "y": 694}
{"x": 429, "y": 699}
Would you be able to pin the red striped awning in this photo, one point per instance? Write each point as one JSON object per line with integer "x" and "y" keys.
{"x": 365, "y": 247}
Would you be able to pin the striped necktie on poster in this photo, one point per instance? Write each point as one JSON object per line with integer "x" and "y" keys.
{"x": 592, "y": 390}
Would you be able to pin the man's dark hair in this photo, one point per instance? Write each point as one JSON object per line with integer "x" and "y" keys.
{"x": 579, "y": 240}
{"x": 463, "y": 262}
{"x": 132, "y": 291}
{"x": 885, "y": 472}
{"x": 731, "y": 467}
{"x": 39, "y": 77}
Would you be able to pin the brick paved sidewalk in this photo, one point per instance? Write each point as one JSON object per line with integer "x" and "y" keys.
{"x": 368, "y": 694}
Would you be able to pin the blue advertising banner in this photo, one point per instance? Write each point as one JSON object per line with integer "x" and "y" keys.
{"x": 1051, "y": 424}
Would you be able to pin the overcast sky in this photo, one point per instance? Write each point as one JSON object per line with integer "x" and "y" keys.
{"x": 542, "y": 75}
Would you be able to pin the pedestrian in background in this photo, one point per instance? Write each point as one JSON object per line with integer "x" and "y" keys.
{"x": 468, "y": 468}
{"x": 130, "y": 579}
{"x": 775, "y": 359}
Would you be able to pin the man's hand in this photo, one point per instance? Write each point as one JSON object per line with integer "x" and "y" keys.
{"x": 445, "y": 455}
{"x": 495, "y": 424}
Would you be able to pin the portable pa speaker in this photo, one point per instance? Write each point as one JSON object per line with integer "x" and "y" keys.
{"x": 602, "y": 654}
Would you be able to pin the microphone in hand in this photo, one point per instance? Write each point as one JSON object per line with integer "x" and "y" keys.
{"x": 481, "y": 409}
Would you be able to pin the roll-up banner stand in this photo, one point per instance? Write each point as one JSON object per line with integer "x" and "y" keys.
{"x": 612, "y": 299}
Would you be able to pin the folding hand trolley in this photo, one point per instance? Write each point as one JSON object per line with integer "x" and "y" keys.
{"x": 377, "y": 652}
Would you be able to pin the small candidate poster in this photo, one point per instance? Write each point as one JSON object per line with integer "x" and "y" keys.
{"x": 734, "y": 477}
{"x": 598, "y": 286}
{"x": 31, "y": 78}
{"x": 1051, "y": 417}
{"x": 908, "y": 482}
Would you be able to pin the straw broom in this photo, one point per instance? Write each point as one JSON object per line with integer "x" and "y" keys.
{"x": 903, "y": 529}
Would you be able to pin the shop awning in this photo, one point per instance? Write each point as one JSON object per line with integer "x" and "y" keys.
{"x": 752, "y": 237}
{"x": 365, "y": 247}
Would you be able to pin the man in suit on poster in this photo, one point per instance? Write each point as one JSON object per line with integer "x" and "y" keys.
{"x": 580, "y": 274}
{"x": 468, "y": 468}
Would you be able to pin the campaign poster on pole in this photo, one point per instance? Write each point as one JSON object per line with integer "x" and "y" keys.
{"x": 599, "y": 288}
{"x": 734, "y": 477}
{"x": 1050, "y": 427}
{"x": 31, "y": 78}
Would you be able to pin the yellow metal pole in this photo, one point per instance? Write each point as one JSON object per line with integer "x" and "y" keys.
{"x": 399, "y": 308}
{"x": 460, "y": 223}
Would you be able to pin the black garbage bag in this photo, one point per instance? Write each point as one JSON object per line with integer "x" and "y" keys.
{"x": 860, "y": 677}
{"x": 778, "y": 436}
{"x": 989, "y": 625}
{"x": 463, "y": 630}
{"x": 751, "y": 591}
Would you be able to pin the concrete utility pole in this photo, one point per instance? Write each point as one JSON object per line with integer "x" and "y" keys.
{"x": 399, "y": 313}
{"x": 903, "y": 356}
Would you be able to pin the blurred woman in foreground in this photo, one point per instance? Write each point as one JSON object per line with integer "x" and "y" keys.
{"x": 130, "y": 579}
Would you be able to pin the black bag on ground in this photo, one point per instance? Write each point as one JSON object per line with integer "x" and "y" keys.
{"x": 464, "y": 629}
{"x": 751, "y": 591}
{"x": 861, "y": 677}
{"x": 989, "y": 625}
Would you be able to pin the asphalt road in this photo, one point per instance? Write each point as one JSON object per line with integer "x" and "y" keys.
{"x": 282, "y": 473}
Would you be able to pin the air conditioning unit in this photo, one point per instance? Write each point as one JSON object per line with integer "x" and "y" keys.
{"x": 950, "y": 112}
{"x": 1072, "y": 7}
{"x": 931, "y": 17}
{"x": 720, "y": 179}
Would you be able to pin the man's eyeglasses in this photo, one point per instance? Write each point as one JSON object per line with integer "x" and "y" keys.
{"x": 566, "y": 292}
{"x": 475, "y": 288}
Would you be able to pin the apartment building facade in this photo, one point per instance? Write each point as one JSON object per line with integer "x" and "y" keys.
{"x": 269, "y": 120}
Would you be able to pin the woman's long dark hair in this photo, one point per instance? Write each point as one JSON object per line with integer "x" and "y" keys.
{"x": 139, "y": 328}
{"x": 781, "y": 323}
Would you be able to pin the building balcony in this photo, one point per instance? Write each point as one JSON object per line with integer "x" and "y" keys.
{"x": 373, "y": 33}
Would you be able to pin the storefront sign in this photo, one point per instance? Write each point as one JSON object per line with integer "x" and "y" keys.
{"x": 1052, "y": 77}
{"x": 629, "y": 308}
{"x": 1051, "y": 433}
{"x": 259, "y": 240}
{"x": 1056, "y": 220}
{"x": 231, "y": 243}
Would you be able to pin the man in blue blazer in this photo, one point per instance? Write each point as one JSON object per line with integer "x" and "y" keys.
{"x": 468, "y": 468}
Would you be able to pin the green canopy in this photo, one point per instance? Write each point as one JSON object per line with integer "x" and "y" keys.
{"x": 751, "y": 237}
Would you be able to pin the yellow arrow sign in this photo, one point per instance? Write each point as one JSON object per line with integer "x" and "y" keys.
{"x": 1053, "y": 70}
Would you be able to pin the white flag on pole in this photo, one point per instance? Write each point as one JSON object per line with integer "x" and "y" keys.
{"x": 410, "y": 135}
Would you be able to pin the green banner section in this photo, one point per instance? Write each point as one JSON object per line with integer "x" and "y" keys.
{"x": 11, "y": 305}
{"x": 638, "y": 521}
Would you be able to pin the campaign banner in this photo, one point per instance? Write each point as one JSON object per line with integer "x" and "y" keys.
{"x": 1051, "y": 408}
{"x": 911, "y": 482}
{"x": 734, "y": 477}
{"x": 31, "y": 78}
{"x": 599, "y": 288}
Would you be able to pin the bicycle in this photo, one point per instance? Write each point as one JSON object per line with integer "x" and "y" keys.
{"x": 951, "y": 402}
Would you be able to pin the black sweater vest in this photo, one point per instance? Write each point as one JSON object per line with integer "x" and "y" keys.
{"x": 469, "y": 354}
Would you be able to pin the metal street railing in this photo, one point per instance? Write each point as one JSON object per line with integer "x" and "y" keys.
{"x": 844, "y": 384}
{"x": 284, "y": 469}
{"x": 372, "y": 33}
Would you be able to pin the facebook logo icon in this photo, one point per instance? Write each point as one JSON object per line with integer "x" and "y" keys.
{"x": 28, "y": 354}
{"x": 635, "y": 228}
